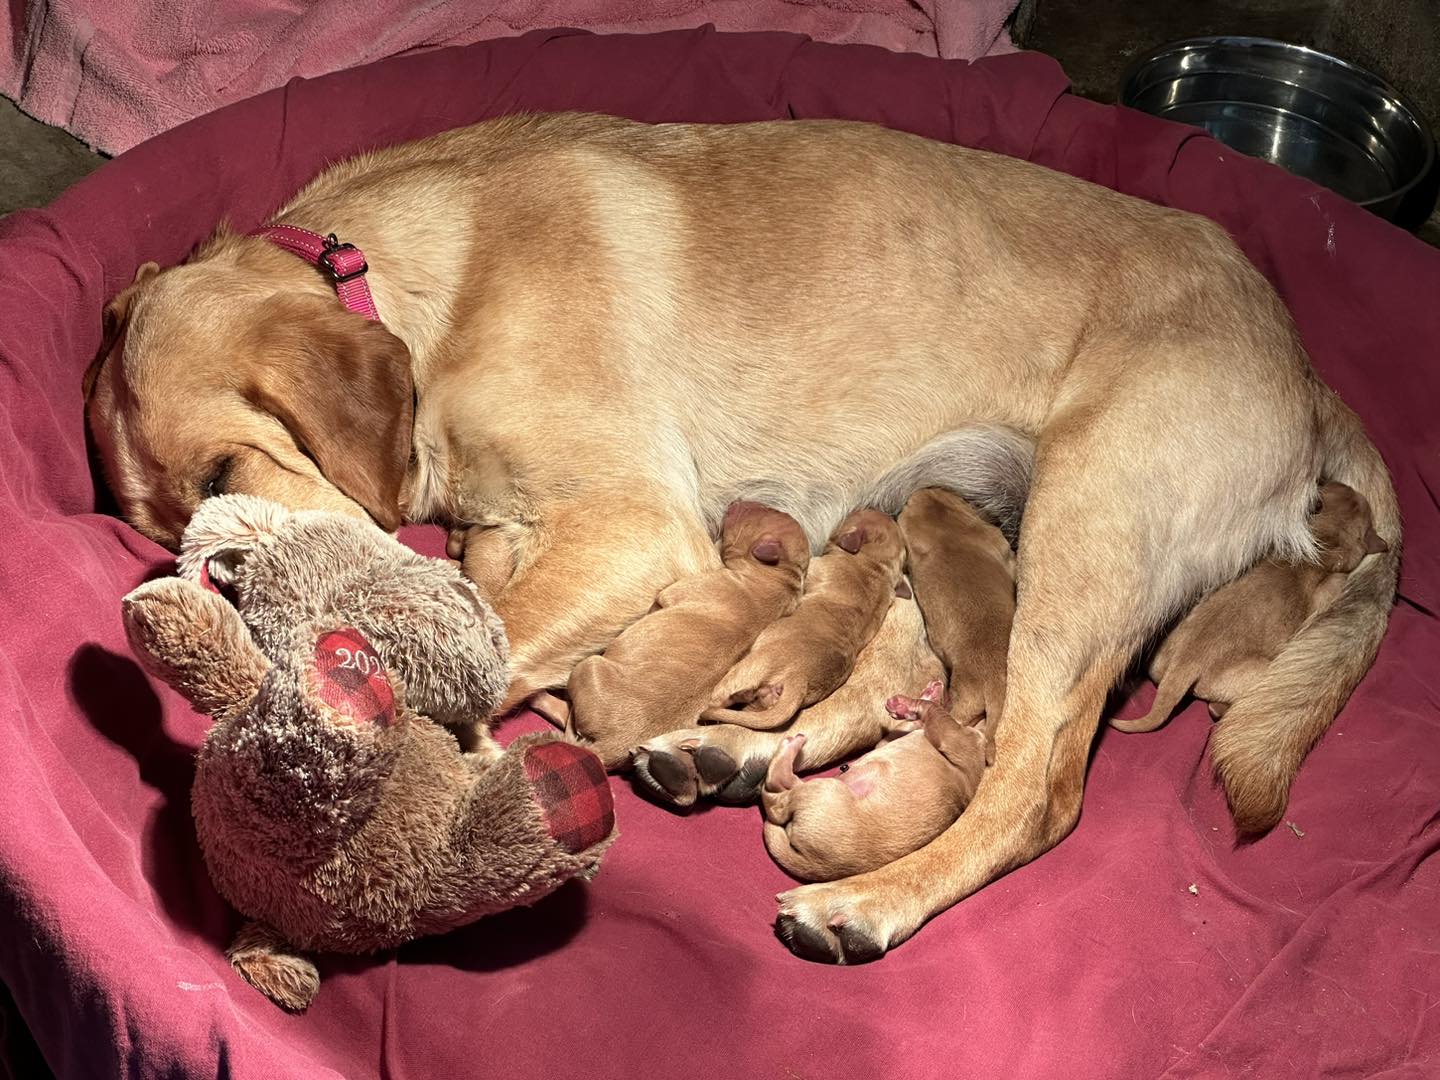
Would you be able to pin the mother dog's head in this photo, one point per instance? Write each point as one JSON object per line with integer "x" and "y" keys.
{"x": 241, "y": 372}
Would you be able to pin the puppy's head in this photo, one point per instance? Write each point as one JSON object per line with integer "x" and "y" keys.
{"x": 1344, "y": 528}
{"x": 873, "y": 534}
{"x": 934, "y": 516}
{"x": 241, "y": 372}
{"x": 752, "y": 531}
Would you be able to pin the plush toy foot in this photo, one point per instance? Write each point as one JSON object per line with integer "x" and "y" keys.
{"x": 267, "y": 963}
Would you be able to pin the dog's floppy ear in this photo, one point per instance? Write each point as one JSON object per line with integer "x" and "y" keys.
{"x": 342, "y": 385}
{"x": 113, "y": 321}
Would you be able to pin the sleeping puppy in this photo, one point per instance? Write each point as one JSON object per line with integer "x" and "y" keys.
{"x": 893, "y": 801}
{"x": 728, "y": 762}
{"x": 963, "y": 572}
{"x": 1229, "y": 639}
{"x": 808, "y": 655}
{"x": 660, "y": 672}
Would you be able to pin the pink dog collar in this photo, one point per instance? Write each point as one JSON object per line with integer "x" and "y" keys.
{"x": 344, "y": 263}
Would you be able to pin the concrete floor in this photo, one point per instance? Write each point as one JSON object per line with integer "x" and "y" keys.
{"x": 38, "y": 161}
{"x": 1096, "y": 39}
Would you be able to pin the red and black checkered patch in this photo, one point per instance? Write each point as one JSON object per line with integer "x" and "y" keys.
{"x": 573, "y": 793}
{"x": 351, "y": 678}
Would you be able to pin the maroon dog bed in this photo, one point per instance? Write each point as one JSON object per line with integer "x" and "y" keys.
{"x": 1147, "y": 944}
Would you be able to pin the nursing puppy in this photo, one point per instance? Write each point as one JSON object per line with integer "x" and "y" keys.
{"x": 893, "y": 801}
{"x": 1228, "y": 640}
{"x": 963, "y": 572}
{"x": 808, "y": 655}
{"x": 661, "y": 671}
{"x": 728, "y": 762}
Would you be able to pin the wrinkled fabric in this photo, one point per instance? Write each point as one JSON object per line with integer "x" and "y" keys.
{"x": 1147, "y": 944}
{"x": 116, "y": 74}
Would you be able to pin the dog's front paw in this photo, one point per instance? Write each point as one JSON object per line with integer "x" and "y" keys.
{"x": 841, "y": 922}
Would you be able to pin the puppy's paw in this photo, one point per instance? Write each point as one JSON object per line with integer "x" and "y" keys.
{"x": 840, "y": 922}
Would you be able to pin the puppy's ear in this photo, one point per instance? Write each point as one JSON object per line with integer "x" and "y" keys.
{"x": 343, "y": 387}
{"x": 114, "y": 316}
{"x": 853, "y": 540}
{"x": 1375, "y": 543}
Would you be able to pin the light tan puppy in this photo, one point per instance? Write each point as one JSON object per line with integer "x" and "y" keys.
{"x": 610, "y": 331}
{"x": 1230, "y": 637}
{"x": 963, "y": 572}
{"x": 661, "y": 671}
{"x": 728, "y": 762}
{"x": 806, "y": 656}
{"x": 894, "y": 800}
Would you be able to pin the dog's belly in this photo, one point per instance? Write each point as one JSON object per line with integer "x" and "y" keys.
{"x": 988, "y": 465}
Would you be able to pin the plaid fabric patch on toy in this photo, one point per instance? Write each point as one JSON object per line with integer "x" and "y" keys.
{"x": 351, "y": 678}
{"x": 573, "y": 793}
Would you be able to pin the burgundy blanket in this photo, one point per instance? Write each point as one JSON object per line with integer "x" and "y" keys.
{"x": 1148, "y": 944}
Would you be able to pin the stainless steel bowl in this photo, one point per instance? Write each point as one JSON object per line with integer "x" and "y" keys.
{"x": 1319, "y": 117}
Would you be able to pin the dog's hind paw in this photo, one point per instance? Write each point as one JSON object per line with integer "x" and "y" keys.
{"x": 685, "y": 766}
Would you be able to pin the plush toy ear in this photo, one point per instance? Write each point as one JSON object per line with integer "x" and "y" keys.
{"x": 351, "y": 679}
{"x": 223, "y": 531}
{"x": 194, "y": 641}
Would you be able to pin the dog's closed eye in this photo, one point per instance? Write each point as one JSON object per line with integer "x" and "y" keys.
{"x": 215, "y": 480}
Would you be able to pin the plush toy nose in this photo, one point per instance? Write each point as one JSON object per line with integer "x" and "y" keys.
{"x": 573, "y": 792}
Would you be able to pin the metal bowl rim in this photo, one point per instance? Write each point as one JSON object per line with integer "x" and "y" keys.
{"x": 1427, "y": 137}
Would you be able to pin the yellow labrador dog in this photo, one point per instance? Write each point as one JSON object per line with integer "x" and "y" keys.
{"x": 611, "y": 331}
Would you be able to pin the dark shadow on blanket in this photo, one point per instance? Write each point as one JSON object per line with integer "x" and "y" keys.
{"x": 494, "y": 943}
{"x": 119, "y": 700}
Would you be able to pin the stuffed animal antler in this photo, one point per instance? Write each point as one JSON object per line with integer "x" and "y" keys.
{"x": 331, "y": 808}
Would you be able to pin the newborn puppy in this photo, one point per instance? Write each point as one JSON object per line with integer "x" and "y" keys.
{"x": 963, "y": 572}
{"x": 660, "y": 672}
{"x": 807, "y": 656}
{"x": 893, "y": 801}
{"x": 729, "y": 762}
{"x": 1229, "y": 638}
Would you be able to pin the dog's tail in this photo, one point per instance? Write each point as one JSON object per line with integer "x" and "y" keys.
{"x": 1258, "y": 747}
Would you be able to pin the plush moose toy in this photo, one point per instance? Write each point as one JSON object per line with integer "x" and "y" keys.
{"x": 349, "y": 796}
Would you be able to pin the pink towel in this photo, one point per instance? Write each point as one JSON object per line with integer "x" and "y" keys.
{"x": 116, "y": 75}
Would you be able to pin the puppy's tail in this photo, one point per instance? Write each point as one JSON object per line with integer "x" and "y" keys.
{"x": 1258, "y": 747}
{"x": 1171, "y": 691}
{"x": 768, "y": 718}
